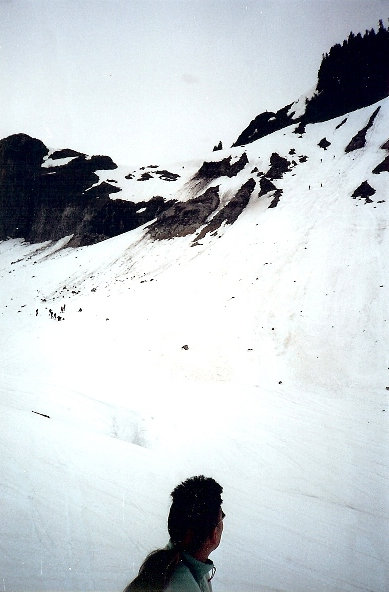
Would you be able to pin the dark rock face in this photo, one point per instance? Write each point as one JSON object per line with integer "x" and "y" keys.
{"x": 382, "y": 167}
{"x": 359, "y": 140}
{"x": 40, "y": 204}
{"x": 264, "y": 124}
{"x": 341, "y": 123}
{"x": 164, "y": 175}
{"x": 145, "y": 177}
{"x": 275, "y": 201}
{"x": 266, "y": 186}
{"x": 231, "y": 210}
{"x": 300, "y": 129}
{"x": 183, "y": 218}
{"x": 324, "y": 143}
{"x": 365, "y": 190}
{"x": 222, "y": 168}
{"x": 278, "y": 166}
{"x": 104, "y": 189}
{"x": 65, "y": 153}
{"x": 167, "y": 175}
{"x": 20, "y": 161}
{"x": 117, "y": 216}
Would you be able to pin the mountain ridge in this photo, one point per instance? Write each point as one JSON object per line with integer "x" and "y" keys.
{"x": 46, "y": 195}
{"x": 351, "y": 76}
{"x": 254, "y": 351}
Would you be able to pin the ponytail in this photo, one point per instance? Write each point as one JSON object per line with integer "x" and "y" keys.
{"x": 156, "y": 571}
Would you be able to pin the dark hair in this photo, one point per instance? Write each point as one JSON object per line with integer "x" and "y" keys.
{"x": 193, "y": 516}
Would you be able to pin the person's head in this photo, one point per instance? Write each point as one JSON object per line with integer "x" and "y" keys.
{"x": 195, "y": 525}
{"x": 196, "y": 519}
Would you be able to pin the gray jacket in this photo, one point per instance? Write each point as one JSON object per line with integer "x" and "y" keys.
{"x": 191, "y": 575}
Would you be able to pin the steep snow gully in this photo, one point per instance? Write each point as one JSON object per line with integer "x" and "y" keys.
{"x": 255, "y": 352}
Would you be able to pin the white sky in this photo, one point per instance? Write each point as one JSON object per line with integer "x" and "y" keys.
{"x": 156, "y": 81}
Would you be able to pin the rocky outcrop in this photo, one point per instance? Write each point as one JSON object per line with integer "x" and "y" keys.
{"x": 359, "y": 140}
{"x": 382, "y": 167}
{"x": 222, "y": 168}
{"x": 324, "y": 143}
{"x": 264, "y": 124}
{"x": 167, "y": 175}
{"x": 47, "y": 203}
{"x": 230, "y": 212}
{"x": 365, "y": 191}
{"x": 164, "y": 175}
{"x": 20, "y": 161}
{"x": 65, "y": 153}
{"x": 278, "y": 166}
{"x": 265, "y": 186}
{"x": 276, "y": 198}
{"x": 183, "y": 218}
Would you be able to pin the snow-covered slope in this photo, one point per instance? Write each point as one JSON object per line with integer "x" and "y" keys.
{"x": 257, "y": 355}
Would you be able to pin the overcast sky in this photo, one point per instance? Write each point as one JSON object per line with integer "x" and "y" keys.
{"x": 158, "y": 81}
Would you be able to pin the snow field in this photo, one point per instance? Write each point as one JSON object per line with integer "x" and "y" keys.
{"x": 281, "y": 394}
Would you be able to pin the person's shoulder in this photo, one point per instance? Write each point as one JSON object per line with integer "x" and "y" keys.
{"x": 182, "y": 580}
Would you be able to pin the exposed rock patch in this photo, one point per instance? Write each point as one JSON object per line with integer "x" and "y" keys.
{"x": 222, "y": 168}
{"x": 299, "y": 129}
{"x": 365, "y": 190}
{"x": 276, "y": 199}
{"x": 65, "y": 153}
{"x": 167, "y": 175}
{"x": 382, "y": 167}
{"x": 341, "y": 123}
{"x": 145, "y": 177}
{"x": 104, "y": 189}
{"x": 264, "y": 124}
{"x": 164, "y": 175}
{"x": 324, "y": 143}
{"x": 266, "y": 186}
{"x": 278, "y": 166}
{"x": 359, "y": 140}
{"x": 183, "y": 218}
{"x": 230, "y": 212}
